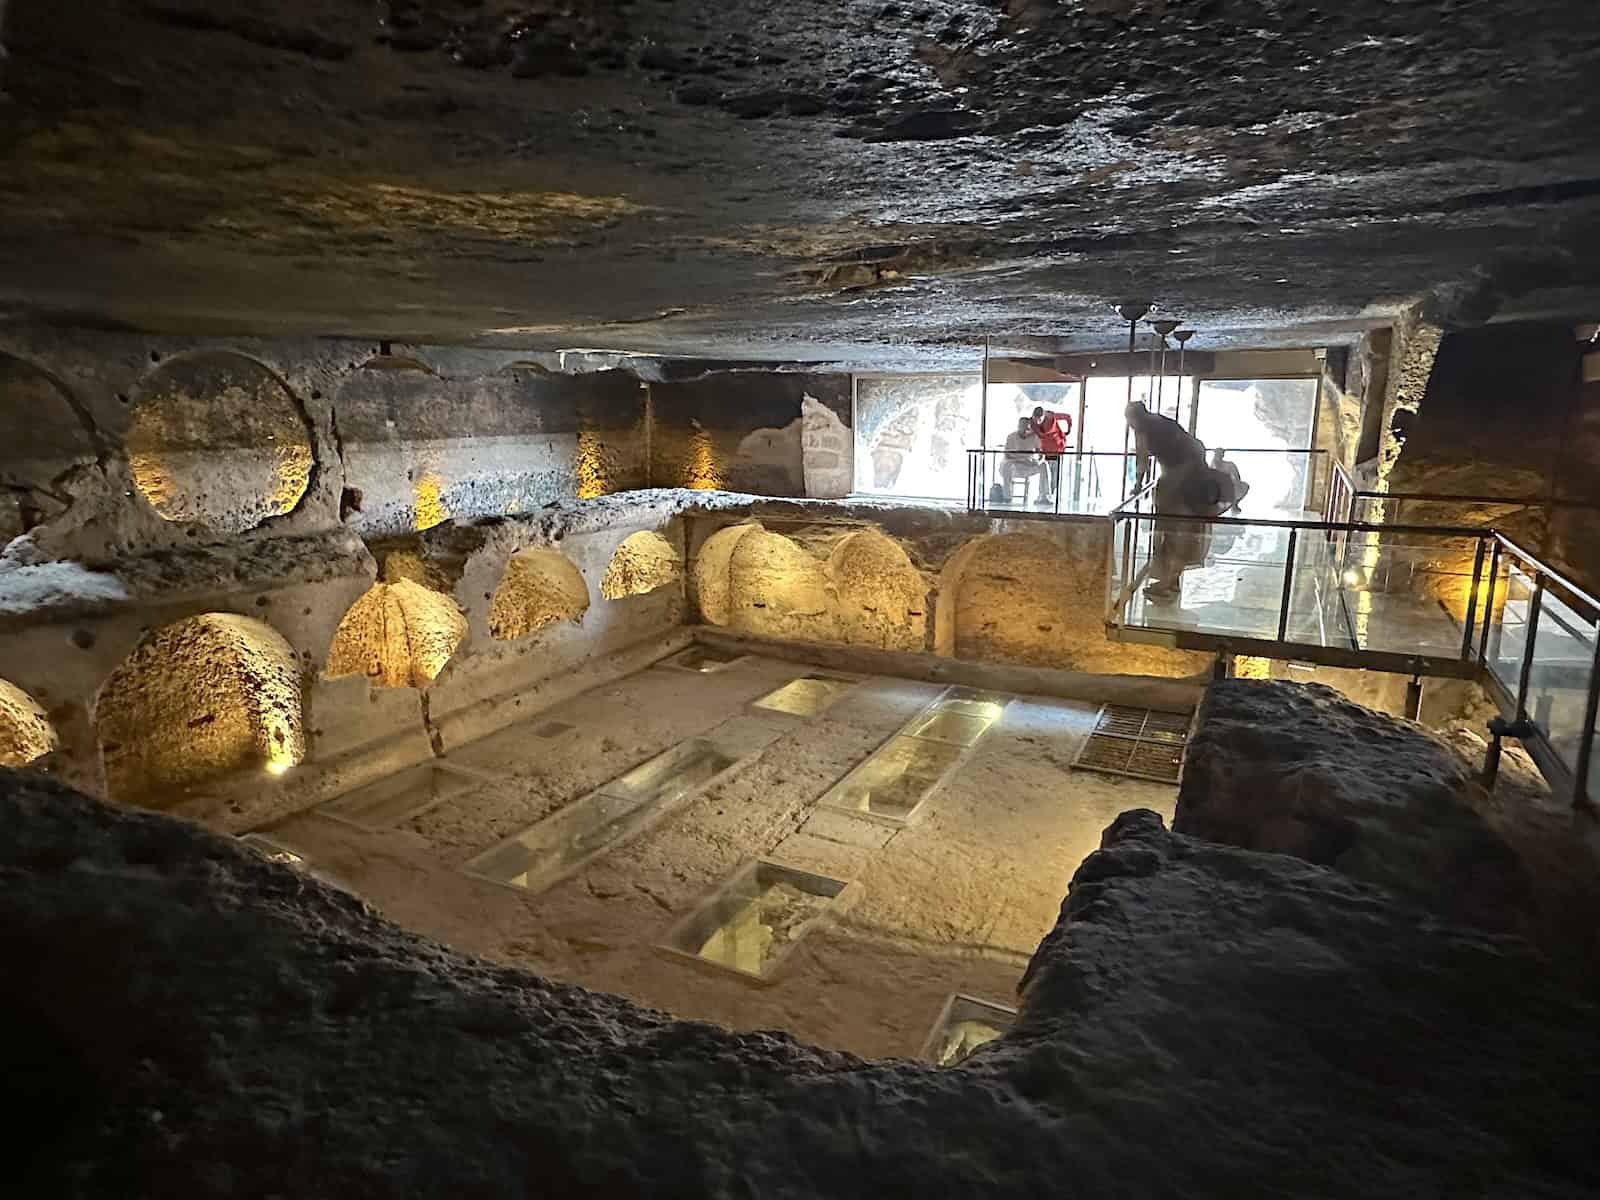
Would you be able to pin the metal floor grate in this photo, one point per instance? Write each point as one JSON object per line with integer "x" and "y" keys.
{"x": 1137, "y": 742}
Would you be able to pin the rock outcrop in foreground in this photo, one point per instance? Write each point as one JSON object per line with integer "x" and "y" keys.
{"x": 183, "y": 1018}
{"x": 1298, "y": 769}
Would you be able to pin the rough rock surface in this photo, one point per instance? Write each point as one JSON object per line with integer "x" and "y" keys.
{"x": 185, "y": 1018}
{"x": 1298, "y": 769}
{"x": 793, "y": 179}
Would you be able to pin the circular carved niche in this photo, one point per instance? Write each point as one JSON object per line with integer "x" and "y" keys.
{"x": 217, "y": 439}
{"x": 643, "y": 562}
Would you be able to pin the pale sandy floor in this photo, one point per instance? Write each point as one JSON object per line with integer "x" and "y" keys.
{"x": 955, "y": 902}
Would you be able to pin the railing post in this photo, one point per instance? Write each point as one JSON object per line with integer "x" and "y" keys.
{"x": 1472, "y": 603}
{"x": 1488, "y": 606}
{"x": 1580, "y": 780}
{"x": 1528, "y": 639}
{"x": 1288, "y": 588}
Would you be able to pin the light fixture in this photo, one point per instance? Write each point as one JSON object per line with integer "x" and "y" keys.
{"x": 1182, "y": 336}
{"x": 1163, "y": 328}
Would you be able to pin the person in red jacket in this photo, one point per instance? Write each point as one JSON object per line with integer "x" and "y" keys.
{"x": 1052, "y": 429}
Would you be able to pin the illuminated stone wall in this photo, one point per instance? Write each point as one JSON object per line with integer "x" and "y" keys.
{"x": 422, "y": 447}
{"x": 763, "y": 432}
{"x": 199, "y": 700}
{"x": 398, "y": 634}
{"x": 644, "y": 562}
{"x": 910, "y": 579}
{"x": 25, "y": 730}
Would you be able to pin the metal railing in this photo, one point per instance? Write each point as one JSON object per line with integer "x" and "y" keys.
{"x": 1417, "y": 599}
{"x": 1093, "y": 482}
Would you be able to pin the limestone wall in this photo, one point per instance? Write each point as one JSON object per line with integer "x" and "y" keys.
{"x": 770, "y": 433}
{"x": 1021, "y": 591}
{"x": 234, "y": 572}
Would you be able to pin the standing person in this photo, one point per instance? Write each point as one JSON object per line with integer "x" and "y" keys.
{"x": 1021, "y": 459}
{"x": 1187, "y": 488}
{"x": 1052, "y": 429}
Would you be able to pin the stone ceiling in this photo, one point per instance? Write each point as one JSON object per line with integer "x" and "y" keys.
{"x": 815, "y": 179}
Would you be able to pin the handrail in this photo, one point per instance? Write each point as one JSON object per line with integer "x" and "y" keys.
{"x": 1464, "y": 498}
{"x": 1551, "y": 573}
{"x": 1460, "y": 531}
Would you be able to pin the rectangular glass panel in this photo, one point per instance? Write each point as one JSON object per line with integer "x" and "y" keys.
{"x": 946, "y": 723}
{"x": 807, "y": 696}
{"x": 973, "y": 702}
{"x": 755, "y": 918}
{"x": 701, "y": 658}
{"x": 965, "y": 1025}
{"x": 1210, "y": 578}
{"x": 1508, "y": 634}
{"x": 400, "y": 796}
{"x": 912, "y": 434}
{"x": 672, "y": 773}
{"x": 1558, "y": 684}
{"x": 1245, "y": 416}
{"x": 896, "y": 779}
{"x": 538, "y": 856}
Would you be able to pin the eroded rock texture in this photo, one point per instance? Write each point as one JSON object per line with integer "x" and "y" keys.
{"x": 1298, "y": 769}
{"x": 797, "y": 179}
{"x": 185, "y": 1018}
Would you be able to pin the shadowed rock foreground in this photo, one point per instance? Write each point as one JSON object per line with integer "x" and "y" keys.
{"x": 183, "y": 1018}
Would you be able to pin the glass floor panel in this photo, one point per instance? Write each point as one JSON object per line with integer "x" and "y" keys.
{"x": 807, "y": 696}
{"x": 893, "y": 783}
{"x": 671, "y": 773}
{"x": 400, "y": 796}
{"x": 704, "y": 659}
{"x": 752, "y": 922}
{"x": 965, "y": 1024}
{"x": 547, "y": 850}
{"x": 946, "y": 723}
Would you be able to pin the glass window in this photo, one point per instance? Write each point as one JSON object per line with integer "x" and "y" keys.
{"x": 913, "y": 431}
{"x": 1255, "y": 421}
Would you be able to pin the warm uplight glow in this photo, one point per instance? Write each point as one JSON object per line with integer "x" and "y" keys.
{"x": 1250, "y": 667}
{"x": 25, "y": 730}
{"x": 397, "y": 634}
{"x": 644, "y": 562}
{"x": 590, "y": 466}
{"x": 429, "y": 493}
{"x": 702, "y": 474}
{"x": 276, "y": 767}
{"x": 1352, "y": 577}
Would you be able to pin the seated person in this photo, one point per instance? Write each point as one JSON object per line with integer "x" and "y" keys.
{"x": 1021, "y": 459}
{"x": 1219, "y": 462}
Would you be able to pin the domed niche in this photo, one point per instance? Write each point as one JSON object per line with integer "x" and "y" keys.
{"x": 397, "y": 635}
{"x": 642, "y": 563}
{"x": 1013, "y": 596}
{"x": 880, "y": 598}
{"x": 198, "y": 700}
{"x": 539, "y": 588}
{"x": 25, "y": 730}
{"x": 219, "y": 440}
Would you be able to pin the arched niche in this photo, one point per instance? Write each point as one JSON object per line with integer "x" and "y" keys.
{"x": 218, "y": 439}
{"x": 879, "y": 597}
{"x": 540, "y": 587}
{"x": 397, "y": 634}
{"x": 778, "y": 588}
{"x": 1013, "y": 597}
{"x": 25, "y": 730}
{"x": 198, "y": 700}
{"x": 710, "y": 573}
{"x": 43, "y": 434}
{"x": 642, "y": 563}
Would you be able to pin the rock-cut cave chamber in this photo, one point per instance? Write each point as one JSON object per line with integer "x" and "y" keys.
{"x": 630, "y": 559}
